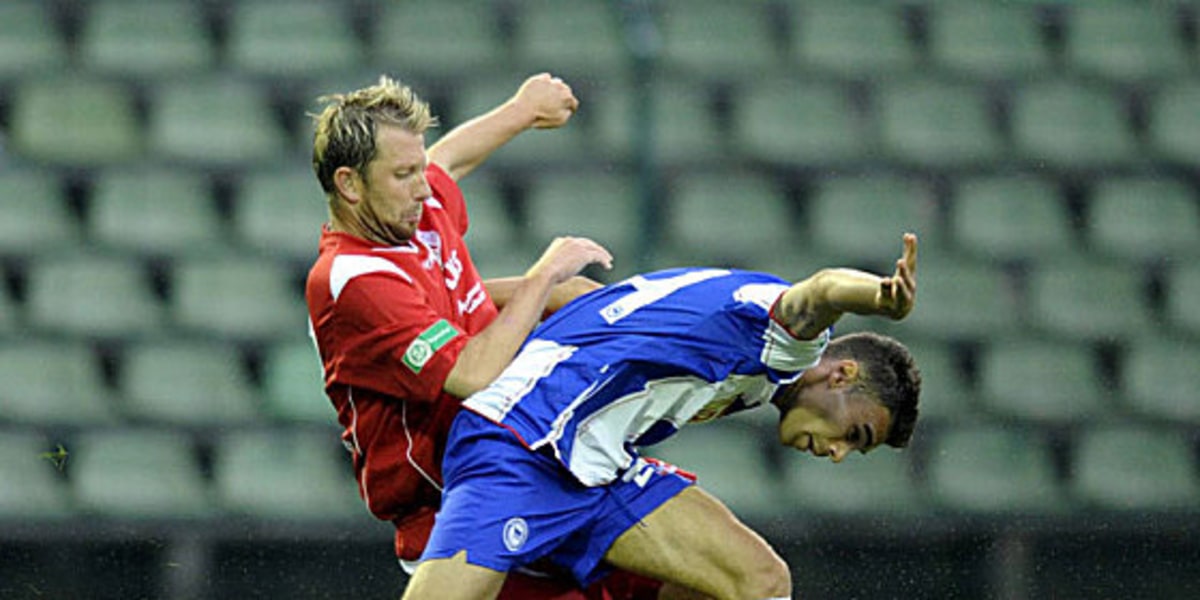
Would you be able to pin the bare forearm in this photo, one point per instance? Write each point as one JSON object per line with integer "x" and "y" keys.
{"x": 465, "y": 147}
{"x": 489, "y": 352}
{"x": 501, "y": 290}
{"x": 811, "y": 306}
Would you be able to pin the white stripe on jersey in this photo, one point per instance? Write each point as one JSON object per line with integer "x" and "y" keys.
{"x": 348, "y": 266}
{"x": 536, "y": 360}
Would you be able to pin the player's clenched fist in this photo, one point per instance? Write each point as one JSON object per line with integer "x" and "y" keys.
{"x": 548, "y": 99}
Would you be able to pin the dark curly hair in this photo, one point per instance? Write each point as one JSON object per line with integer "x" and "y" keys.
{"x": 890, "y": 374}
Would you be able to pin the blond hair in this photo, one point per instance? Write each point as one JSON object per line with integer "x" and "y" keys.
{"x": 344, "y": 131}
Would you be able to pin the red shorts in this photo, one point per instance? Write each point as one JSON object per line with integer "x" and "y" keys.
{"x": 619, "y": 585}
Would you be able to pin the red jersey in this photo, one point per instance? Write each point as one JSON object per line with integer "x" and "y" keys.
{"x": 389, "y": 324}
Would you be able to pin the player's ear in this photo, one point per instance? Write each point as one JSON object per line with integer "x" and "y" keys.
{"x": 348, "y": 183}
{"x": 845, "y": 372}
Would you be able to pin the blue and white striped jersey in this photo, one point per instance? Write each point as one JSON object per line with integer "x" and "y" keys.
{"x": 627, "y": 365}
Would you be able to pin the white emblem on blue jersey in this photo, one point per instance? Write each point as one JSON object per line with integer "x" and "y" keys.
{"x": 516, "y": 531}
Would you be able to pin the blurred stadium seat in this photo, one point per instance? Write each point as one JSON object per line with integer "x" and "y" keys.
{"x": 881, "y": 482}
{"x": 1134, "y": 467}
{"x": 89, "y": 295}
{"x": 76, "y": 121}
{"x": 36, "y": 213}
{"x": 727, "y": 456}
{"x": 285, "y": 474}
{"x": 42, "y": 493}
{"x": 293, "y": 384}
{"x": 291, "y": 39}
{"x": 730, "y": 218}
{"x": 965, "y": 300}
{"x": 236, "y": 297}
{"x": 30, "y": 40}
{"x": 935, "y": 124}
{"x": 53, "y": 383}
{"x": 144, "y": 38}
{"x": 601, "y": 205}
{"x": 577, "y": 40}
{"x": 1006, "y": 217}
{"x": 684, "y": 129}
{"x": 1144, "y": 218}
{"x": 947, "y": 394}
{"x": 861, "y": 219}
{"x": 1183, "y": 287}
{"x": 714, "y": 39}
{"x": 993, "y": 469}
{"x": 1125, "y": 40}
{"x": 790, "y": 122}
{"x": 138, "y": 474}
{"x": 1173, "y": 131}
{"x": 1160, "y": 379}
{"x": 1053, "y": 382}
{"x": 173, "y": 210}
{"x": 412, "y": 37}
{"x": 850, "y": 39}
{"x": 986, "y": 40}
{"x": 492, "y": 227}
{"x": 1088, "y": 299}
{"x": 279, "y": 213}
{"x": 213, "y": 122}
{"x": 182, "y": 382}
{"x": 1070, "y": 125}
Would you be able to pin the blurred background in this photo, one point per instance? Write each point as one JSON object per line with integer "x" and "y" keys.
{"x": 162, "y": 429}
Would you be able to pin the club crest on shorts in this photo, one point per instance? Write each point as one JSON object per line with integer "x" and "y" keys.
{"x": 516, "y": 531}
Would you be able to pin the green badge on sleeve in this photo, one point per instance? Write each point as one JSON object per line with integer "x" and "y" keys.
{"x": 421, "y": 349}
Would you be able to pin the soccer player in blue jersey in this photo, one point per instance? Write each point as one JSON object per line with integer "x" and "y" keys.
{"x": 543, "y": 465}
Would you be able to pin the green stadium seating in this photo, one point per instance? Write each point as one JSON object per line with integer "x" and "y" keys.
{"x": 860, "y": 219}
{"x": 182, "y": 382}
{"x": 410, "y": 37}
{"x": 42, "y": 493}
{"x": 1160, "y": 379}
{"x": 280, "y": 213}
{"x": 993, "y": 469}
{"x": 173, "y": 210}
{"x": 90, "y": 295}
{"x": 1124, "y": 40}
{"x": 293, "y": 384}
{"x": 683, "y": 129}
{"x": 717, "y": 39}
{"x": 926, "y": 122}
{"x": 576, "y": 40}
{"x": 237, "y": 297}
{"x": 880, "y": 482}
{"x": 1183, "y": 287}
{"x": 850, "y": 39}
{"x": 947, "y": 394}
{"x": 731, "y": 217}
{"x": 799, "y": 123}
{"x": 1068, "y": 125}
{"x": 140, "y": 38}
{"x": 1173, "y": 131}
{"x": 964, "y": 300}
{"x": 1085, "y": 299}
{"x": 1053, "y": 382}
{"x": 987, "y": 40}
{"x": 536, "y": 148}
{"x": 1135, "y": 468}
{"x": 75, "y": 122}
{"x": 1144, "y": 218}
{"x": 36, "y": 213}
{"x": 285, "y": 475}
{"x": 292, "y": 39}
{"x": 1009, "y": 217}
{"x": 30, "y": 41}
{"x": 138, "y": 474}
{"x": 726, "y": 456}
{"x": 602, "y": 205}
{"x": 53, "y": 383}
{"x": 493, "y": 227}
{"x": 214, "y": 122}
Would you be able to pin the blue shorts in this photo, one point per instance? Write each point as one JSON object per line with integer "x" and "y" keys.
{"x": 508, "y": 506}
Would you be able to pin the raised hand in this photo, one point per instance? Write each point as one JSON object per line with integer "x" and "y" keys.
{"x": 566, "y": 256}
{"x": 549, "y": 100}
{"x": 898, "y": 293}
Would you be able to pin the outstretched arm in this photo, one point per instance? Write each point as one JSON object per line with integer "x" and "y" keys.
{"x": 542, "y": 102}
{"x": 811, "y": 306}
{"x": 501, "y": 290}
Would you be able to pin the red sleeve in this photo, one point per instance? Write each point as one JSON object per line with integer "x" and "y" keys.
{"x": 446, "y": 190}
{"x": 390, "y": 340}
